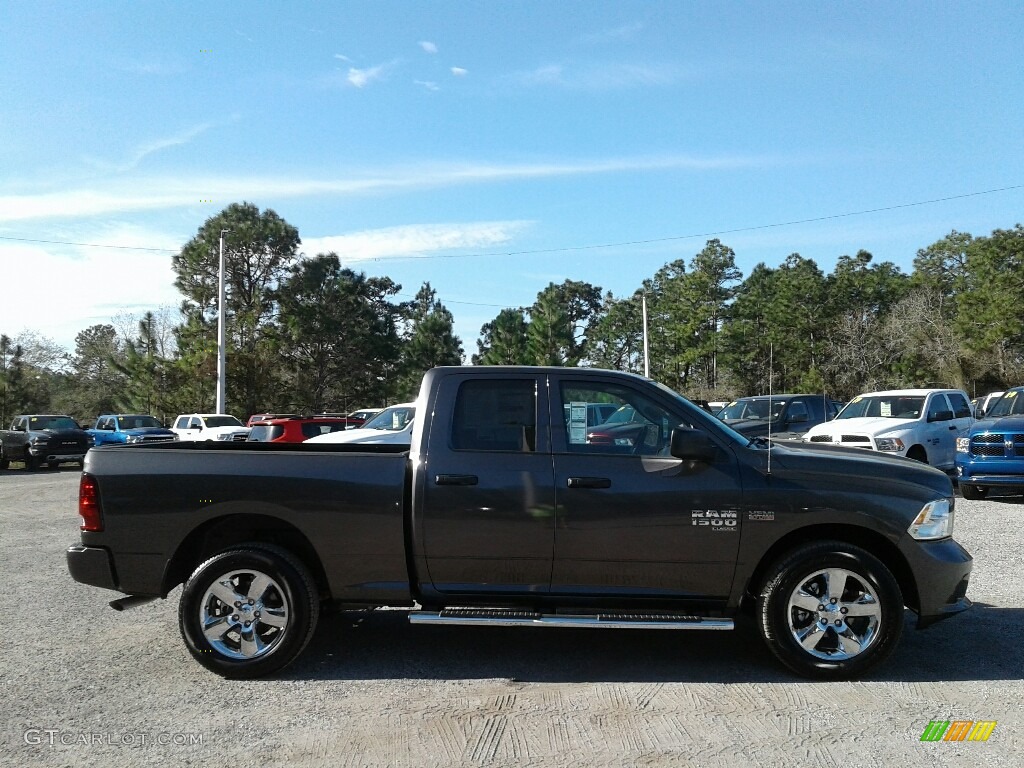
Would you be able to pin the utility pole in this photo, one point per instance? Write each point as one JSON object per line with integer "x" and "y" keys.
{"x": 647, "y": 357}
{"x": 221, "y": 335}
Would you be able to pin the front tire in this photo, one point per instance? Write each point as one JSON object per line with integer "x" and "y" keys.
{"x": 830, "y": 610}
{"x": 249, "y": 611}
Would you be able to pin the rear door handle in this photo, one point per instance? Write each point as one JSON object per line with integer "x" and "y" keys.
{"x": 456, "y": 479}
{"x": 590, "y": 482}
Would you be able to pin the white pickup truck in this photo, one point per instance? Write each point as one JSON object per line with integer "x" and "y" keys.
{"x": 210, "y": 426}
{"x": 920, "y": 424}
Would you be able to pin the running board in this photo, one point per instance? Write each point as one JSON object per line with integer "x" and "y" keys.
{"x": 497, "y": 617}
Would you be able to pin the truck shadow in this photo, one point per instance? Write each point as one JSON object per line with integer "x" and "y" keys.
{"x": 979, "y": 645}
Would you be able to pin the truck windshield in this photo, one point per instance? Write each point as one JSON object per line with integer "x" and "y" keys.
{"x": 1010, "y": 404}
{"x": 756, "y": 409}
{"x": 884, "y": 406}
{"x": 221, "y": 421}
{"x": 139, "y": 422}
{"x": 392, "y": 419}
{"x": 51, "y": 422}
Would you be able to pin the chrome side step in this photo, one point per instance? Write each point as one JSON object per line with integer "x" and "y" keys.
{"x": 499, "y": 617}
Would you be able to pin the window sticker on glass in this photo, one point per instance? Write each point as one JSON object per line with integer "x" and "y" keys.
{"x": 886, "y": 408}
{"x": 577, "y": 423}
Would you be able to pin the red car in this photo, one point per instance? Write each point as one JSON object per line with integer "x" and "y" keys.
{"x": 295, "y": 429}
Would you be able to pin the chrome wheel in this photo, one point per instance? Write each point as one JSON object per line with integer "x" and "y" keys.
{"x": 249, "y": 611}
{"x": 244, "y": 615}
{"x": 834, "y": 614}
{"x": 830, "y": 610}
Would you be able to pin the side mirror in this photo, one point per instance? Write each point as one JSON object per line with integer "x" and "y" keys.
{"x": 19, "y": 427}
{"x": 800, "y": 418}
{"x": 941, "y": 416}
{"x": 692, "y": 445}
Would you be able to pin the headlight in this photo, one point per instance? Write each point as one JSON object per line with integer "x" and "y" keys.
{"x": 934, "y": 521}
{"x": 889, "y": 444}
{"x": 963, "y": 445}
{"x": 224, "y": 437}
{"x": 134, "y": 439}
{"x": 624, "y": 441}
{"x": 39, "y": 439}
{"x": 90, "y": 441}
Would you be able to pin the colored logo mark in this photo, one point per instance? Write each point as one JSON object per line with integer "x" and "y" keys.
{"x": 958, "y": 730}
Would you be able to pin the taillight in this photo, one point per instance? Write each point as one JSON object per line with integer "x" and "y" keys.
{"x": 89, "y": 504}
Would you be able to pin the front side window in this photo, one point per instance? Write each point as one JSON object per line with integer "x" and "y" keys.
{"x": 639, "y": 426}
{"x": 938, "y": 405}
{"x": 496, "y": 415}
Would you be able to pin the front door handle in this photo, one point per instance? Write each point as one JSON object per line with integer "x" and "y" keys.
{"x": 456, "y": 479}
{"x": 952, "y": 429}
{"x": 590, "y": 482}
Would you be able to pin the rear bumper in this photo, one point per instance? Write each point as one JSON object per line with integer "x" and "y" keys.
{"x": 92, "y": 565}
{"x": 941, "y": 571}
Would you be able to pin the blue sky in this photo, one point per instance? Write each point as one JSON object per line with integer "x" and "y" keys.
{"x": 487, "y": 146}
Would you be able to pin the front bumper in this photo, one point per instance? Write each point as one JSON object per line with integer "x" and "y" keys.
{"x": 941, "y": 571}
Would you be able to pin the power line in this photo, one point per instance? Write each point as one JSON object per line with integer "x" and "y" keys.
{"x": 569, "y": 248}
{"x": 89, "y": 245}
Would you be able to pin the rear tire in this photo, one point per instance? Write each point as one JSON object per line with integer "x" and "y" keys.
{"x": 973, "y": 492}
{"x": 830, "y": 610}
{"x": 249, "y": 611}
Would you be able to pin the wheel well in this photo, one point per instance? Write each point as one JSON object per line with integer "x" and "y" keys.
{"x": 224, "y": 532}
{"x": 917, "y": 450}
{"x": 875, "y": 543}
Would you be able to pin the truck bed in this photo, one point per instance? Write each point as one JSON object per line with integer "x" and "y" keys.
{"x": 347, "y": 502}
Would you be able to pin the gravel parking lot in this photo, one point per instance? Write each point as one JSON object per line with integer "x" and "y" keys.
{"x": 83, "y": 685}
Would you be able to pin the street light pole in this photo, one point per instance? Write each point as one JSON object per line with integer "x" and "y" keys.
{"x": 221, "y": 333}
{"x": 647, "y": 360}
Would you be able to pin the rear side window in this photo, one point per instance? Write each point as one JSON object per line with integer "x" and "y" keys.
{"x": 961, "y": 408}
{"x": 264, "y": 433}
{"x": 496, "y": 415}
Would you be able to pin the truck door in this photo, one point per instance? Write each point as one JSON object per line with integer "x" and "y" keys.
{"x": 484, "y": 507}
{"x": 631, "y": 519}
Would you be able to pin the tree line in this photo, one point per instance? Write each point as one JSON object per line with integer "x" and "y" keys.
{"x": 309, "y": 335}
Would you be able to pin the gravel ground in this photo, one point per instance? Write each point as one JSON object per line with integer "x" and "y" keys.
{"x": 83, "y": 685}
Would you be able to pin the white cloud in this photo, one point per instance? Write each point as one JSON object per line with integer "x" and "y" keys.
{"x": 427, "y": 84}
{"x": 601, "y": 77}
{"x": 428, "y": 46}
{"x": 413, "y": 241}
{"x": 342, "y": 57}
{"x": 87, "y": 286}
{"x": 459, "y": 71}
{"x": 360, "y": 78}
{"x": 142, "y": 151}
{"x": 120, "y": 196}
{"x": 625, "y": 32}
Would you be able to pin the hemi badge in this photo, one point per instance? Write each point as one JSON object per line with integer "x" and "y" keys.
{"x": 761, "y": 514}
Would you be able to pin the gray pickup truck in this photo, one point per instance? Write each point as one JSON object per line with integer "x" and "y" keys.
{"x": 503, "y": 511}
{"x": 43, "y": 439}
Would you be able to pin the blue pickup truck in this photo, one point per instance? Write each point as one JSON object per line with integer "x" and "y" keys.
{"x": 992, "y": 455}
{"x": 129, "y": 428}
